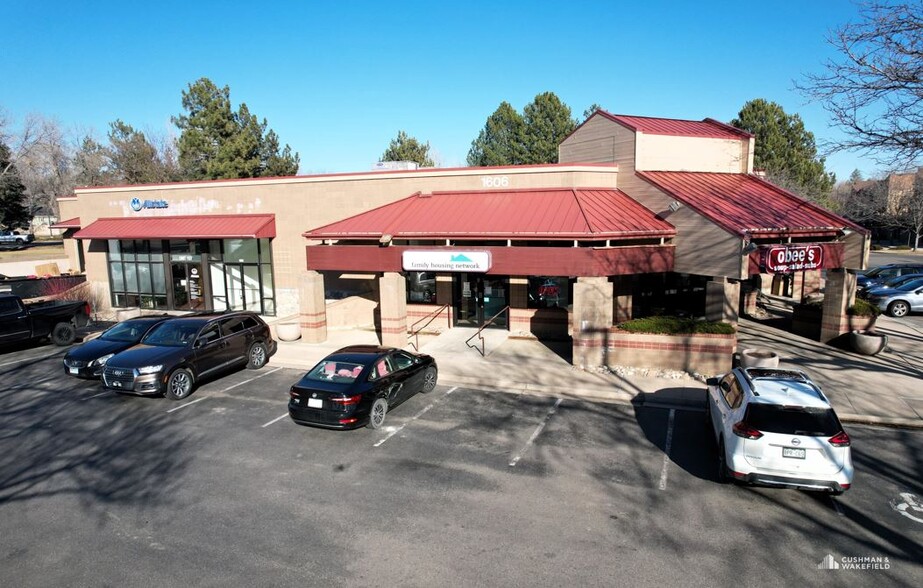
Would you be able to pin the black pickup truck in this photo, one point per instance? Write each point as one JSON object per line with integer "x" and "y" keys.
{"x": 57, "y": 320}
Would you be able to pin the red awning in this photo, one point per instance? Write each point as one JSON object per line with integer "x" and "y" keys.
{"x": 747, "y": 205}
{"x": 219, "y": 226}
{"x": 71, "y": 223}
{"x": 542, "y": 214}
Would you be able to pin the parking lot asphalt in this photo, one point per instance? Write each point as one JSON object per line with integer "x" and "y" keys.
{"x": 465, "y": 486}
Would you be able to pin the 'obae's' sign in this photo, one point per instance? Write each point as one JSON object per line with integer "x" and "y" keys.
{"x": 783, "y": 259}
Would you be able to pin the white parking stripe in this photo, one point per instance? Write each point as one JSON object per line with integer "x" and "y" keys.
{"x": 415, "y": 417}
{"x": 536, "y": 433}
{"x": 666, "y": 451}
{"x": 274, "y": 421}
{"x": 187, "y": 404}
{"x": 97, "y": 395}
{"x": 30, "y": 359}
{"x": 251, "y": 379}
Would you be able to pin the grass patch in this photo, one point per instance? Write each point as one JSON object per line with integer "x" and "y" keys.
{"x": 674, "y": 325}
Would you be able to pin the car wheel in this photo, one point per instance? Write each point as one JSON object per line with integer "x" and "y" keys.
{"x": 898, "y": 308}
{"x": 723, "y": 477}
{"x": 377, "y": 413}
{"x": 257, "y": 356}
{"x": 179, "y": 384}
{"x": 429, "y": 379}
{"x": 63, "y": 334}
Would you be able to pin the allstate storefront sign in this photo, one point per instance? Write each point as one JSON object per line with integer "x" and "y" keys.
{"x": 446, "y": 261}
{"x": 137, "y": 204}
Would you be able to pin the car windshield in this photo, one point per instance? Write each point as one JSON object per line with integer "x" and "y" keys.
{"x": 874, "y": 272}
{"x": 127, "y": 332}
{"x": 911, "y": 285}
{"x": 172, "y": 334}
{"x": 898, "y": 280}
{"x": 792, "y": 420}
{"x": 335, "y": 371}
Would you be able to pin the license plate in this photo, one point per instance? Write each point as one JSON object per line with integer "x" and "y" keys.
{"x": 793, "y": 452}
{"x": 315, "y": 403}
{"x": 73, "y": 370}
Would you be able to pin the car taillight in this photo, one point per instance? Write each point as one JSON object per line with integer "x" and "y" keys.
{"x": 292, "y": 393}
{"x": 347, "y": 401}
{"x": 744, "y": 430}
{"x": 347, "y": 421}
{"x": 841, "y": 439}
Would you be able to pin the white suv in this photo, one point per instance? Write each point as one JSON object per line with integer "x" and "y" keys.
{"x": 775, "y": 427}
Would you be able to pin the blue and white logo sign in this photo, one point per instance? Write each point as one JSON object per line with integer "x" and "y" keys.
{"x": 446, "y": 261}
{"x": 137, "y": 204}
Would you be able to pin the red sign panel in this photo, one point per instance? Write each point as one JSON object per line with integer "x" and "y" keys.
{"x": 784, "y": 259}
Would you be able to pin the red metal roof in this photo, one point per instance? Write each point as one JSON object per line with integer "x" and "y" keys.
{"x": 218, "y": 226}
{"x": 71, "y": 223}
{"x": 683, "y": 128}
{"x": 555, "y": 213}
{"x": 747, "y": 205}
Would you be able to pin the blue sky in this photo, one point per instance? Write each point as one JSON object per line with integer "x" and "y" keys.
{"x": 338, "y": 80}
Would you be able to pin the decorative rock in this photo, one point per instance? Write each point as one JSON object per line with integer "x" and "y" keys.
{"x": 288, "y": 331}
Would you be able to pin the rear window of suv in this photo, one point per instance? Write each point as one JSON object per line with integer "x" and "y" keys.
{"x": 792, "y": 420}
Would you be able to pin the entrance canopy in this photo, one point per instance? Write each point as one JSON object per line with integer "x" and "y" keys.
{"x": 219, "y": 226}
{"x": 590, "y": 214}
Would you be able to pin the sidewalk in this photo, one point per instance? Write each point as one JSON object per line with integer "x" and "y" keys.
{"x": 883, "y": 390}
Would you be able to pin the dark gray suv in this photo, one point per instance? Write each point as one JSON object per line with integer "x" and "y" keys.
{"x": 177, "y": 353}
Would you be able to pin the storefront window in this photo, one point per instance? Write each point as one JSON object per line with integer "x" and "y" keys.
{"x": 421, "y": 287}
{"x": 137, "y": 274}
{"x": 549, "y": 292}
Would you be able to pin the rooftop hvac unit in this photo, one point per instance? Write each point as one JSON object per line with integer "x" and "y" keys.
{"x": 394, "y": 165}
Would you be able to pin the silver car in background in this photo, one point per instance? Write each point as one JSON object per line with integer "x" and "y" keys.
{"x": 899, "y": 301}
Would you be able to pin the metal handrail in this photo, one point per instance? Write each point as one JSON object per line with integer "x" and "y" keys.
{"x": 431, "y": 316}
{"x": 486, "y": 324}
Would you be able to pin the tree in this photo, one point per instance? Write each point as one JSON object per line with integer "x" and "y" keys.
{"x": 216, "y": 142}
{"x": 12, "y": 191}
{"x": 786, "y": 150}
{"x": 500, "y": 142}
{"x": 406, "y": 148}
{"x": 872, "y": 89}
{"x": 547, "y": 121}
{"x": 590, "y": 110}
{"x": 42, "y": 156}
{"x": 910, "y": 211}
{"x": 132, "y": 159}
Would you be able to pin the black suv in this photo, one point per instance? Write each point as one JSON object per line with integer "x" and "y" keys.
{"x": 179, "y": 352}
{"x": 877, "y": 275}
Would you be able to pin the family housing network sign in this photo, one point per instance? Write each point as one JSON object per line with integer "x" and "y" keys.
{"x": 446, "y": 261}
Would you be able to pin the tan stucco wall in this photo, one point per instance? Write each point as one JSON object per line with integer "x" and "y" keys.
{"x": 307, "y": 202}
{"x": 701, "y": 154}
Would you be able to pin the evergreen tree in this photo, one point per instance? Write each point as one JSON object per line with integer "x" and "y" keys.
{"x": 13, "y": 213}
{"x": 217, "y": 142}
{"x": 500, "y": 141}
{"x": 547, "y": 122}
{"x": 786, "y": 150}
{"x": 407, "y": 148}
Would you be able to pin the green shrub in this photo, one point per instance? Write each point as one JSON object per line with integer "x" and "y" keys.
{"x": 876, "y": 247}
{"x": 863, "y": 308}
{"x": 674, "y": 325}
{"x": 901, "y": 248}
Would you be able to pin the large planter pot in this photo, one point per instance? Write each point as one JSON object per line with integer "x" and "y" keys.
{"x": 288, "y": 331}
{"x": 759, "y": 358}
{"x": 867, "y": 343}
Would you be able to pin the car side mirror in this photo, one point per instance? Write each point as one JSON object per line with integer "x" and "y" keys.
{"x": 713, "y": 381}
{"x": 725, "y": 387}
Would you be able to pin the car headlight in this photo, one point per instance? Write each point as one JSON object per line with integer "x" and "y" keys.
{"x": 150, "y": 369}
{"x": 100, "y": 360}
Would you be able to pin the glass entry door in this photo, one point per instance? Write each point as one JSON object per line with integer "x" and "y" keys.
{"x": 243, "y": 292}
{"x": 188, "y": 286}
{"x": 478, "y": 297}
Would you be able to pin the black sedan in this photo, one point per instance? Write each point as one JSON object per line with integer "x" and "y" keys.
{"x": 358, "y": 385}
{"x": 89, "y": 359}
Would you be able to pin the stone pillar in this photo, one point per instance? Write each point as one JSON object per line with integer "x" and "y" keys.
{"x": 722, "y": 298}
{"x": 622, "y": 299}
{"x": 766, "y": 283}
{"x": 839, "y": 295}
{"x": 813, "y": 283}
{"x": 798, "y": 286}
{"x": 749, "y": 296}
{"x": 393, "y": 306}
{"x": 443, "y": 289}
{"x": 519, "y": 292}
{"x": 313, "y": 308}
{"x": 592, "y": 316}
